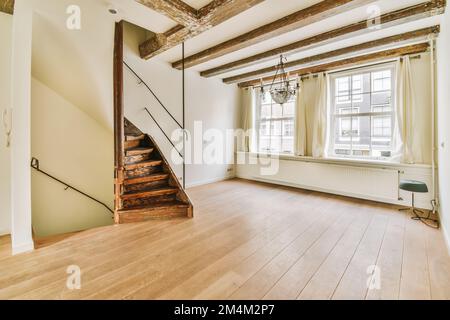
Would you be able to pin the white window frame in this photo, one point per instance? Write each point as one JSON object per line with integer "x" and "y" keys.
{"x": 270, "y": 122}
{"x": 355, "y": 142}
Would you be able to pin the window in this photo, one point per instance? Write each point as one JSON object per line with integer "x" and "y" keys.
{"x": 362, "y": 113}
{"x": 276, "y": 126}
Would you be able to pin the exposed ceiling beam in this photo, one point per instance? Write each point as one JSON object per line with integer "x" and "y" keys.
{"x": 394, "y": 18}
{"x": 349, "y": 62}
{"x": 191, "y": 22}
{"x": 299, "y": 19}
{"x": 352, "y": 50}
{"x": 7, "y": 6}
{"x": 176, "y": 10}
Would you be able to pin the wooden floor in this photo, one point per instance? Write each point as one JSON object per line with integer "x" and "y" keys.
{"x": 247, "y": 241}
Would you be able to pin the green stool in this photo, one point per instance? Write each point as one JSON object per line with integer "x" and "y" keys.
{"x": 416, "y": 187}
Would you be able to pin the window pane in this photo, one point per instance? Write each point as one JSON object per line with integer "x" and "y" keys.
{"x": 276, "y": 128}
{"x": 289, "y": 109}
{"x": 343, "y": 90}
{"x": 288, "y": 128}
{"x": 357, "y": 88}
{"x": 382, "y": 97}
{"x": 382, "y": 126}
{"x": 275, "y": 144}
{"x": 277, "y": 111}
{"x": 381, "y": 108}
{"x": 265, "y": 111}
{"x": 264, "y": 128}
{"x": 264, "y": 143}
{"x": 381, "y": 80}
{"x": 362, "y": 105}
{"x": 288, "y": 145}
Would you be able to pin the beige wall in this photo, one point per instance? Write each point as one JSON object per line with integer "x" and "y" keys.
{"x": 443, "y": 78}
{"x": 76, "y": 149}
{"x": 5, "y": 103}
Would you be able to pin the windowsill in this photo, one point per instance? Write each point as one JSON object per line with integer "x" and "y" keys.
{"x": 341, "y": 161}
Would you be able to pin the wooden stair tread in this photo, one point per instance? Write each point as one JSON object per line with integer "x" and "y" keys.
{"x": 138, "y": 151}
{"x": 142, "y": 164}
{"x": 133, "y": 138}
{"x": 149, "y": 189}
{"x": 132, "y": 144}
{"x": 149, "y": 178}
{"x": 150, "y": 193}
{"x": 158, "y": 206}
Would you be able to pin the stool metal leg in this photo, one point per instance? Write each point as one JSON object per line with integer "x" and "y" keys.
{"x": 418, "y": 217}
{"x": 414, "y": 210}
{"x": 411, "y": 208}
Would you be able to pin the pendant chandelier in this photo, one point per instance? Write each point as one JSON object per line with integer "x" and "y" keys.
{"x": 284, "y": 92}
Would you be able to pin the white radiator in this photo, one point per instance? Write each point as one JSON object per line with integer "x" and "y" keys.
{"x": 364, "y": 182}
{"x": 360, "y": 182}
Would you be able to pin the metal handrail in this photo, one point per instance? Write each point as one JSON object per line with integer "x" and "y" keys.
{"x": 165, "y": 134}
{"x": 35, "y": 166}
{"x": 154, "y": 95}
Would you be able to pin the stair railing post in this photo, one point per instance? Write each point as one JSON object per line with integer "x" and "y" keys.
{"x": 119, "y": 126}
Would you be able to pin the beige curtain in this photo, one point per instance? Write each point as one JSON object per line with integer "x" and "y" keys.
{"x": 248, "y": 118}
{"x": 412, "y": 132}
{"x": 300, "y": 123}
{"x": 319, "y": 138}
{"x": 312, "y": 105}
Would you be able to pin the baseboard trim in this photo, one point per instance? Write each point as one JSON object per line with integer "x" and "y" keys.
{"x": 209, "y": 181}
{"x": 22, "y": 248}
{"x": 4, "y": 232}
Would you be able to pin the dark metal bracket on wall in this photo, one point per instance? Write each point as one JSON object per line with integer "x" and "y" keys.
{"x": 35, "y": 165}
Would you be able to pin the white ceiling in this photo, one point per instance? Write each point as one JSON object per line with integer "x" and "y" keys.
{"x": 271, "y": 10}
{"x": 58, "y": 53}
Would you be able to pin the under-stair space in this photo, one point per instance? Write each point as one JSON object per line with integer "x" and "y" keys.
{"x": 150, "y": 188}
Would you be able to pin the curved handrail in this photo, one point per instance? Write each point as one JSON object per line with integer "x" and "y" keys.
{"x": 35, "y": 166}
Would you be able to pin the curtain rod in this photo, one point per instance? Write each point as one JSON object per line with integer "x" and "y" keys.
{"x": 315, "y": 75}
{"x": 413, "y": 57}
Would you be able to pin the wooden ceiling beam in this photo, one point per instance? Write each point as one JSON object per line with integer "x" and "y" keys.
{"x": 7, "y": 6}
{"x": 352, "y": 50}
{"x": 191, "y": 22}
{"x": 420, "y": 11}
{"x": 348, "y": 63}
{"x": 299, "y": 19}
{"x": 176, "y": 10}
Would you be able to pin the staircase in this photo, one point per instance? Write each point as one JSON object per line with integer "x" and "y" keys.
{"x": 150, "y": 188}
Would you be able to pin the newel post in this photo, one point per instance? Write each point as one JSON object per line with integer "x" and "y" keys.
{"x": 119, "y": 136}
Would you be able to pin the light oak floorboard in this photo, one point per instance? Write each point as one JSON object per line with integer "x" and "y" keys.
{"x": 248, "y": 240}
